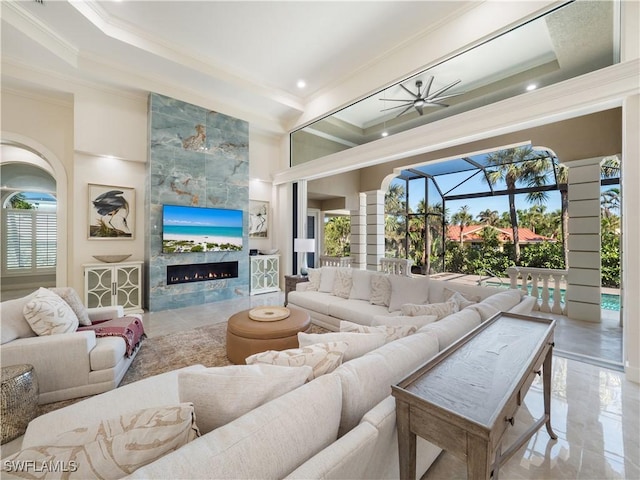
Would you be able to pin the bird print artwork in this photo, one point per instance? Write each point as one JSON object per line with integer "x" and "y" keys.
{"x": 110, "y": 214}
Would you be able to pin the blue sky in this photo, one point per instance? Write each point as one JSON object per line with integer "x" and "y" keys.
{"x": 180, "y": 215}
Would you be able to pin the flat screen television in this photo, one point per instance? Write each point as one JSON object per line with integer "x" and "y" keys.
{"x": 198, "y": 229}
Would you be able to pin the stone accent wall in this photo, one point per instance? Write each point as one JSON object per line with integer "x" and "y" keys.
{"x": 197, "y": 157}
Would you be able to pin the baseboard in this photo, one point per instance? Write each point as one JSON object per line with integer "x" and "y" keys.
{"x": 598, "y": 362}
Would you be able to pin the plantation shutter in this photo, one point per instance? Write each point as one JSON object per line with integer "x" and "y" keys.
{"x": 29, "y": 240}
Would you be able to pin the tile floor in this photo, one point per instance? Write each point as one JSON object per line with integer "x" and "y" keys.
{"x": 594, "y": 411}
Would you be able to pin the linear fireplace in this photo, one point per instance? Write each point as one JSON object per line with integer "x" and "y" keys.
{"x": 201, "y": 272}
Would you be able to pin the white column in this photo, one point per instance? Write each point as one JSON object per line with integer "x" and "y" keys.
{"x": 375, "y": 228}
{"x": 583, "y": 282}
{"x": 302, "y": 217}
{"x": 358, "y": 239}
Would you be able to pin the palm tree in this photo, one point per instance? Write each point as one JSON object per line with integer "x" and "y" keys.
{"x": 462, "y": 218}
{"x": 488, "y": 216}
{"x": 394, "y": 220}
{"x": 518, "y": 166}
{"x": 610, "y": 201}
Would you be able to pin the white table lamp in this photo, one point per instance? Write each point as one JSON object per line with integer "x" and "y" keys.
{"x": 304, "y": 245}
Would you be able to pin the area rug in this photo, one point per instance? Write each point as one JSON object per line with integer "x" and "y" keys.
{"x": 202, "y": 345}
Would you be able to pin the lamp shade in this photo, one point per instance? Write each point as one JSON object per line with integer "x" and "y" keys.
{"x": 304, "y": 245}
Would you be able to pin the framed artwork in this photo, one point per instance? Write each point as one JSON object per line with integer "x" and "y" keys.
{"x": 258, "y": 219}
{"x": 111, "y": 212}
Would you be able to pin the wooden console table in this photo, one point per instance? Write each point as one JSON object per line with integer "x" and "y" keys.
{"x": 466, "y": 397}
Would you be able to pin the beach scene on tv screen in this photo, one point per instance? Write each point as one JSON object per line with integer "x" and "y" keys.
{"x": 196, "y": 229}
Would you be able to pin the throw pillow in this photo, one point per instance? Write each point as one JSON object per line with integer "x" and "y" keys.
{"x": 342, "y": 283}
{"x": 322, "y": 357}
{"x": 392, "y": 332}
{"x": 360, "y": 285}
{"x": 326, "y": 279}
{"x": 418, "y": 320}
{"x": 440, "y": 310}
{"x": 14, "y": 325}
{"x": 314, "y": 278}
{"x": 222, "y": 394}
{"x": 48, "y": 314}
{"x": 69, "y": 295}
{"x": 380, "y": 289}
{"x": 485, "y": 310}
{"x": 359, "y": 343}
{"x": 460, "y": 299}
{"x": 113, "y": 448}
{"x": 407, "y": 290}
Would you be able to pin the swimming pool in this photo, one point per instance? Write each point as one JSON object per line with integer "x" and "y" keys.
{"x": 608, "y": 301}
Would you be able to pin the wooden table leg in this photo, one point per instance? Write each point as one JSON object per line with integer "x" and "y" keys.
{"x": 479, "y": 463}
{"x": 406, "y": 442}
{"x": 546, "y": 385}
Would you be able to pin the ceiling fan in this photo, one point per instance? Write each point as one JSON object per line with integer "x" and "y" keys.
{"x": 423, "y": 98}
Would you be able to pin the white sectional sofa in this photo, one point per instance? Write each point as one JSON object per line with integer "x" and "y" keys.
{"x": 340, "y": 425}
{"x": 365, "y": 297}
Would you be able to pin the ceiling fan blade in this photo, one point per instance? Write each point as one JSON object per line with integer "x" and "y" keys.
{"x": 428, "y": 87}
{"x": 419, "y": 109}
{"x": 444, "y": 97}
{"x": 405, "y": 110}
{"x": 408, "y": 105}
{"x": 409, "y": 91}
{"x": 442, "y": 90}
{"x": 395, "y": 100}
{"x": 435, "y": 104}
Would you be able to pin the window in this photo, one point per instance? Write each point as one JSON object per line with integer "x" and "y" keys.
{"x": 29, "y": 241}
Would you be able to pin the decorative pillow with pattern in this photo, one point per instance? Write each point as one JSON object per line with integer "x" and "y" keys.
{"x": 440, "y": 310}
{"x": 380, "y": 289}
{"x": 321, "y": 357}
{"x": 222, "y": 394}
{"x": 48, "y": 314}
{"x": 69, "y": 295}
{"x": 461, "y": 299}
{"x": 112, "y": 448}
{"x": 359, "y": 343}
{"x": 314, "y": 278}
{"x": 342, "y": 282}
{"x": 392, "y": 332}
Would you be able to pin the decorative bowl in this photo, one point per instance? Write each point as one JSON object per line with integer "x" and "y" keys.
{"x": 111, "y": 258}
{"x": 270, "y": 251}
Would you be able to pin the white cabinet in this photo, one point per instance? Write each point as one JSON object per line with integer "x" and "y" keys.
{"x": 109, "y": 284}
{"x": 265, "y": 273}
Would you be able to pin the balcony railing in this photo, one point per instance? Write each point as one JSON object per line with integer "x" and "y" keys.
{"x": 542, "y": 283}
{"x": 328, "y": 261}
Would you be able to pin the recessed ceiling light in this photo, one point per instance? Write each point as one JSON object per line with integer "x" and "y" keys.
{"x": 301, "y": 84}
{"x": 531, "y": 86}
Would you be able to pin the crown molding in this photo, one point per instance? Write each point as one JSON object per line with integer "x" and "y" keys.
{"x": 37, "y": 31}
{"x": 38, "y": 97}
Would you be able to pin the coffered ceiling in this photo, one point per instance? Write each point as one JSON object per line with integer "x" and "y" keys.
{"x": 247, "y": 55}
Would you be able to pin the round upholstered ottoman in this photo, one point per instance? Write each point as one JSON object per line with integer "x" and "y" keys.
{"x": 246, "y": 336}
{"x": 19, "y": 400}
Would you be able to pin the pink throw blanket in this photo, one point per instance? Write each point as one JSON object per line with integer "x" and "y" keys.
{"x": 129, "y": 328}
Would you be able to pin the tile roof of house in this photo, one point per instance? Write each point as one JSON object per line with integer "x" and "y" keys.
{"x": 472, "y": 233}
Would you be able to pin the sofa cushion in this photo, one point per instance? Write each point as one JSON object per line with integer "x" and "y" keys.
{"x": 347, "y": 457}
{"x": 314, "y": 278}
{"x": 437, "y": 290}
{"x": 222, "y": 394}
{"x": 69, "y": 295}
{"x": 357, "y": 311}
{"x": 505, "y": 300}
{"x": 392, "y": 332}
{"x": 107, "y": 353}
{"x": 440, "y": 310}
{"x": 407, "y": 290}
{"x": 268, "y": 442}
{"x": 367, "y": 380}
{"x": 418, "y": 320}
{"x": 380, "y": 289}
{"x": 485, "y": 310}
{"x": 320, "y": 302}
{"x": 453, "y": 327}
{"x": 361, "y": 285}
{"x": 48, "y": 314}
{"x": 14, "y": 325}
{"x": 342, "y": 282}
{"x": 116, "y": 447}
{"x": 359, "y": 343}
{"x": 327, "y": 277}
{"x": 460, "y": 299}
{"x": 321, "y": 357}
